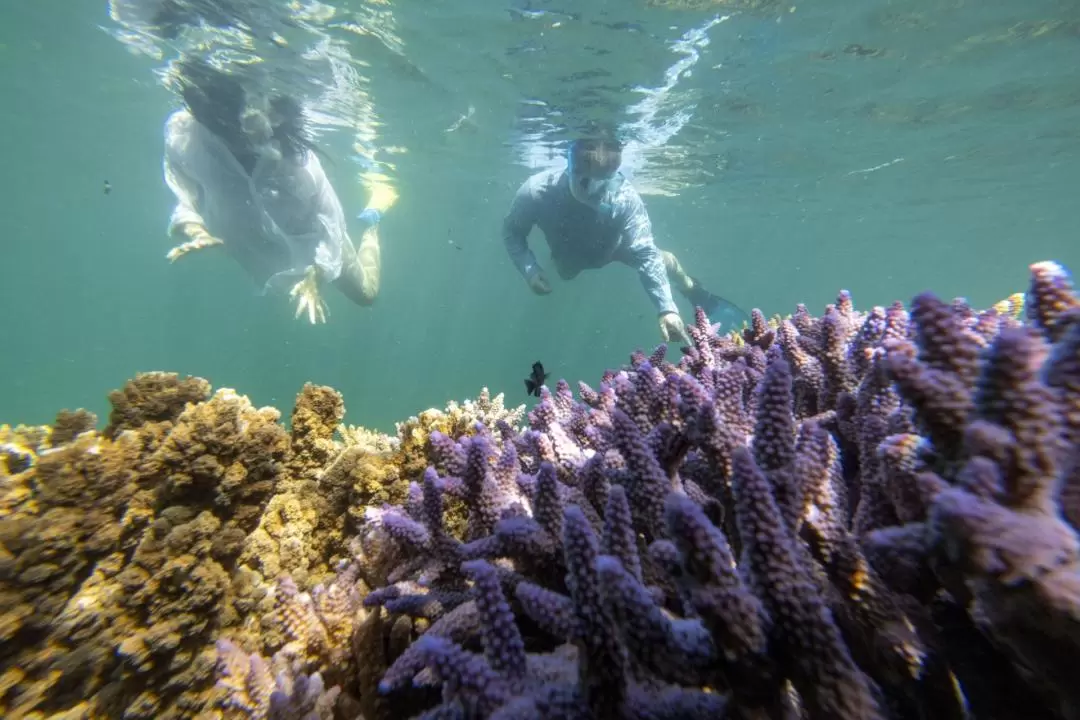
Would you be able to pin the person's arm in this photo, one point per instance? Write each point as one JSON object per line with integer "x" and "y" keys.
{"x": 330, "y": 250}
{"x": 186, "y": 225}
{"x": 638, "y": 250}
{"x": 517, "y": 224}
{"x": 178, "y": 136}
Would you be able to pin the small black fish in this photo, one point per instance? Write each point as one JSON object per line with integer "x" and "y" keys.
{"x": 536, "y": 380}
{"x": 107, "y": 187}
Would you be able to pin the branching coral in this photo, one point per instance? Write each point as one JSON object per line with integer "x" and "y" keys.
{"x": 374, "y": 470}
{"x": 789, "y": 500}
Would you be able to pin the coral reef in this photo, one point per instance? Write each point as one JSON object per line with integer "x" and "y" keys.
{"x": 118, "y": 563}
{"x": 127, "y": 554}
{"x": 857, "y": 516}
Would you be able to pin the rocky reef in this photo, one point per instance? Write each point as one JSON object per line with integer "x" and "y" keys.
{"x": 852, "y": 516}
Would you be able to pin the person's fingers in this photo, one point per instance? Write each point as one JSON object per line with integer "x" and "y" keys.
{"x": 540, "y": 286}
{"x": 673, "y": 329}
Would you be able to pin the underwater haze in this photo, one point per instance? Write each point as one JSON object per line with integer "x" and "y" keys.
{"x": 785, "y": 151}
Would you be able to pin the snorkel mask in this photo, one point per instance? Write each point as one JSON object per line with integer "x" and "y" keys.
{"x": 596, "y": 192}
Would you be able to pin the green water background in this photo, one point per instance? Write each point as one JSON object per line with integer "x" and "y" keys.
{"x": 978, "y": 101}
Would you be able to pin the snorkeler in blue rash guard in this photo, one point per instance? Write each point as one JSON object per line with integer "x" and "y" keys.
{"x": 590, "y": 216}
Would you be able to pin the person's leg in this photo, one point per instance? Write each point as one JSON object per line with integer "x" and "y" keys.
{"x": 676, "y": 275}
{"x": 724, "y": 312}
{"x": 362, "y": 266}
{"x": 360, "y": 269}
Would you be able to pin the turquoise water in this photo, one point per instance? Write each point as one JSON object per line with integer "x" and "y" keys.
{"x": 885, "y": 149}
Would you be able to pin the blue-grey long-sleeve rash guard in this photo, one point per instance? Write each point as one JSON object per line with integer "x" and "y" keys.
{"x": 581, "y": 237}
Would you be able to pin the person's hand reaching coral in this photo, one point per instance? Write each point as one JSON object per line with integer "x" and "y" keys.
{"x": 672, "y": 328}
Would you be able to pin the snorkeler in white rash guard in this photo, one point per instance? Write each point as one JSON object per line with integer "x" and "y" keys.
{"x": 246, "y": 177}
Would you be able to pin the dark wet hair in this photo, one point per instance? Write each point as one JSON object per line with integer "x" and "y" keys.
{"x": 172, "y": 16}
{"x": 291, "y": 127}
{"x": 596, "y": 157}
{"x": 218, "y": 101}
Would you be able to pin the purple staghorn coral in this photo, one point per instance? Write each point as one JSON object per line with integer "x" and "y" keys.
{"x": 858, "y": 516}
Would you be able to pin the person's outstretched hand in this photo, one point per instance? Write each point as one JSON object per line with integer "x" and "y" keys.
{"x": 672, "y": 328}
{"x": 197, "y": 239}
{"x": 307, "y": 298}
{"x": 539, "y": 284}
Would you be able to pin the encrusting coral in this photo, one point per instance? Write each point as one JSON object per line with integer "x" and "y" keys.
{"x": 862, "y": 515}
{"x": 126, "y": 554}
{"x": 118, "y": 566}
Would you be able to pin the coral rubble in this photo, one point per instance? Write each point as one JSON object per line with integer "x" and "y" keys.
{"x": 857, "y": 516}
